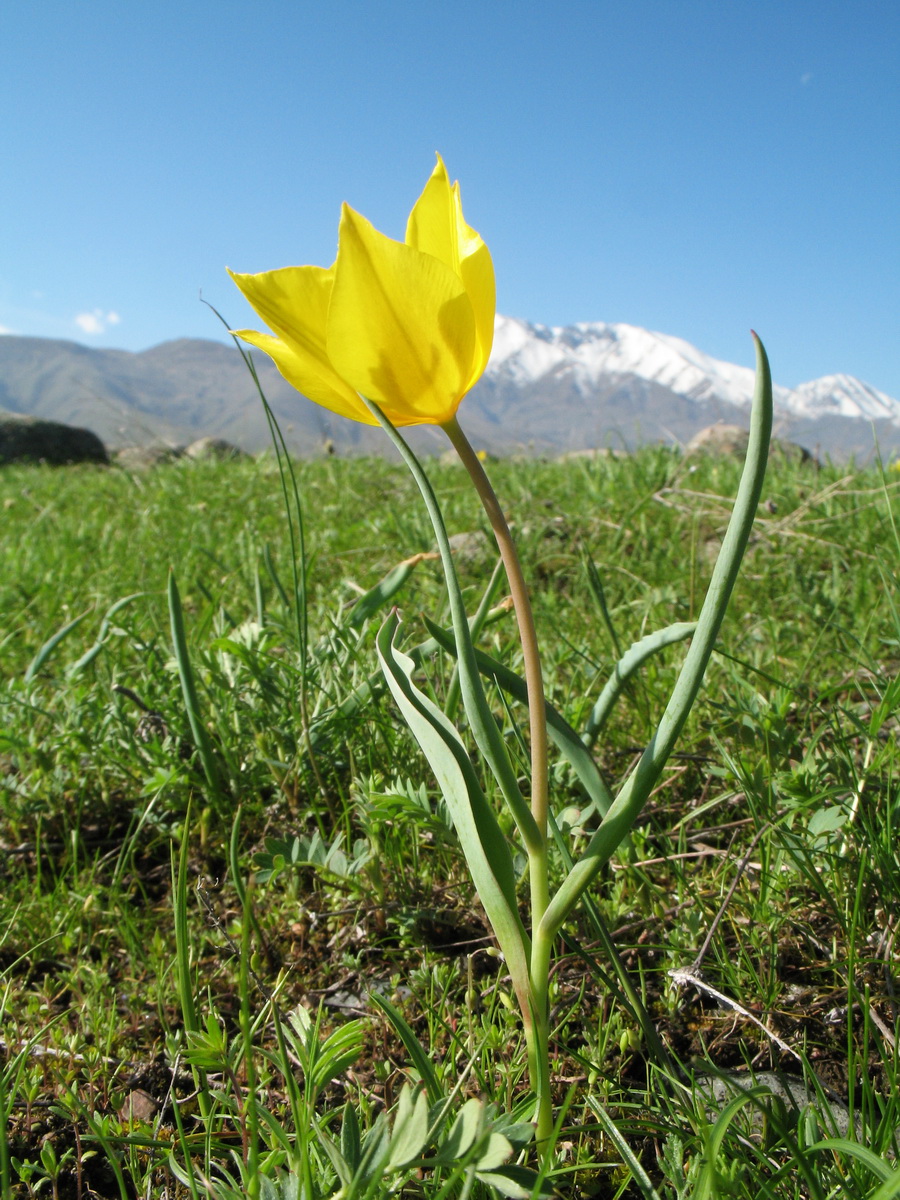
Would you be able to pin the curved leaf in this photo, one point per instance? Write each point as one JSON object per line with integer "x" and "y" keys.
{"x": 633, "y": 657}
{"x": 482, "y": 840}
{"x": 563, "y": 736}
{"x": 633, "y": 795}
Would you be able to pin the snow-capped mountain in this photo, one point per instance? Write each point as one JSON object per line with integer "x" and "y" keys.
{"x": 587, "y": 355}
{"x": 545, "y": 391}
{"x": 842, "y": 395}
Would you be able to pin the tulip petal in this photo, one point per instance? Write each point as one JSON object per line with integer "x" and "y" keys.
{"x": 436, "y": 226}
{"x": 477, "y": 270}
{"x": 433, "y": 226}
{"x": 302, "y": 373}
{"x": 294, "y": 302}
{"x": 401, "y": 329}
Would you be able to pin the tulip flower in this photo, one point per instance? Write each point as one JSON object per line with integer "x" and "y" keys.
{"x": 407, "y": 324}
{"x": 396, "y": 333}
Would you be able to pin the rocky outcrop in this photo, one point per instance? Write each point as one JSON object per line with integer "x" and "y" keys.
{"x": 28, "y": 439}
{"x": 205, "y": 449}
{"x": 591, "y": 454}
{"x": 144, "y": 458}
{"x": 215, "y": 448}
{"x": 732, "y": 440}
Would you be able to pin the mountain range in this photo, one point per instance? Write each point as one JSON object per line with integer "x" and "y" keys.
{"x": 546, "y": 390}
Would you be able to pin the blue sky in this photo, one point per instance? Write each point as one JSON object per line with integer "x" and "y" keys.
{"x": 697, "y": 167}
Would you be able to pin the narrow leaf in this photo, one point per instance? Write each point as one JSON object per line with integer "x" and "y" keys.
{"x": 561, "y": 732}
{"x": 633, "y": 658}
{"x": 482, "y": 840}
{"x": 49, "y": 646}
{"x": 89, "y": 655}
{"x": 384, "y": 591}
{"x": 640, "y": 1176}
{"x": 420, "y": 1060}
{"x": 868, "y": 1157}
{"x": 350, "y": 1140}
{"x": 889, "y": 1189}
{"x": 634, "y": 793}
{"x": 374, "y": 1156}
{"x": 189, "y": 691}
{"x": 481, "y": 720}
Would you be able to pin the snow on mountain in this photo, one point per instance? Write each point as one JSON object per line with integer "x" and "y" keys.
{"x": 524, "y": 353}
{"x": 842, "y": 395}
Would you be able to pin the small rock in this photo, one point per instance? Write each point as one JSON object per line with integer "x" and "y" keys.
{"x": 138, "y": 1106}
{"x": 592, "y": 454}
{"x": 143, "y": 458}
{"x": 470, "y": 547}
{"x": 791, "y": 1090}
{"x": 723, "y": 440}
{"x": 218, "y": 449}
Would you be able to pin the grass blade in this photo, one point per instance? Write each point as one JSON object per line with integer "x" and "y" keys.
{"x": 189, "y": 692}
{"x": 50, "y": 646}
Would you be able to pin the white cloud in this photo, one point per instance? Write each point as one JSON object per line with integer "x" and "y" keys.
{"x": 90, "y": 322}
{"x": 96, "y": 321}
{"x": 4, "y": 330}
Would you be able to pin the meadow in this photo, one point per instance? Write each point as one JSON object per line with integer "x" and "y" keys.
{"x": 240, "y": 953}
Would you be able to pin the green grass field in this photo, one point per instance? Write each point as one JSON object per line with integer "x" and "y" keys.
{"x": 226, "y": 946}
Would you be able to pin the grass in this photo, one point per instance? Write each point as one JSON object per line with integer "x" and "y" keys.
{"x": 233, "y": 929}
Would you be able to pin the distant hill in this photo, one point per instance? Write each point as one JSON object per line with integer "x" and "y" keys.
{"x": 545, "y": 391}
{"x": 174, "y": 393}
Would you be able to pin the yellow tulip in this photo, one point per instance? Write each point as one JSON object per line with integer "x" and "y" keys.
{"x": 407, "y": 324}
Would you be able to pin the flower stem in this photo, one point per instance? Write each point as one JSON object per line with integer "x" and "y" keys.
{"x": 538, "y": 1027}
{"x": 522, "y": 604}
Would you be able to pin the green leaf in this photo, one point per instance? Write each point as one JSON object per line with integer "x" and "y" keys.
{"x": 200, "y": 733}
{"x": 633, "y": 658}
{"x": 520, "y": 1133}
{"x": 383, "y": 592}
{"x": 519, "y": 1183}
{"x": 89, "y": 655}
{"x": 627, "y": 806}
{"x": 638, "y": 1173}
{"x": 420, "y": 1059}
{"x": 494, "y": 1153}
{"x": 350, "y": 1140}
{"x": 410, "y": 1129}
{"x": 464, "y": 1131}
{"x": 374, "y": 1155}
{"x": 827, "y": 819}
{"x": 561, "y": 732}
{"x": 338, "y": 1052}
{"x": 890, "y": 1177}
{"x": 321, "y": 1061}
{"x": 49, "y": 646}
{"x": 481, "y": 720}
{"x": 483, "y": 844}
{"x": 889, "y": 1189}
{"x": 344, "y": 1171}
